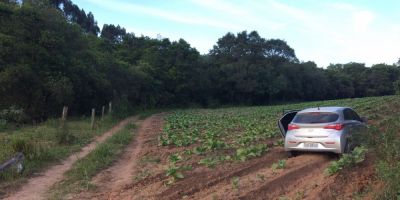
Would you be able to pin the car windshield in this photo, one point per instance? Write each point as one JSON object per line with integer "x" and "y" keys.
{"x": 315, "y": 117}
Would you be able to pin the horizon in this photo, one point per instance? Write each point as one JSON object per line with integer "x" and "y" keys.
{"x": 358, "y": 31}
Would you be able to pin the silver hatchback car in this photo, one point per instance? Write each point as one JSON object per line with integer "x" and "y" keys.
{"x": 322, "y": 129}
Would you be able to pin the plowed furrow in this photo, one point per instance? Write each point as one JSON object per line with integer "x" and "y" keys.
{"x": 303, "y": 171}
{"x": 200, "y": 181}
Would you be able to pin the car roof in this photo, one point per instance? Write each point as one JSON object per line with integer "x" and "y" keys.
{"x": 335, "y": 109}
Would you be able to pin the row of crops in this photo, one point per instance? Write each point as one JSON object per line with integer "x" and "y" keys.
{"x": 214, "y": 136}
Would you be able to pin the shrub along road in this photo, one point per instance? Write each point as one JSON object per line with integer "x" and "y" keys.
{"x": 37, "y": 187}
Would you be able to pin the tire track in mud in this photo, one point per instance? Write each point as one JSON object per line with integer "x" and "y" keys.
{"x": 304, "y": 169}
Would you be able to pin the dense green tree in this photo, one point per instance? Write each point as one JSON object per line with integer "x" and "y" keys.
{"x": 51, "y": 55}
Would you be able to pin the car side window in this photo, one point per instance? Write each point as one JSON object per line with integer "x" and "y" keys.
{"x": 348, "y": 115}
{"x": 355, "y": 115}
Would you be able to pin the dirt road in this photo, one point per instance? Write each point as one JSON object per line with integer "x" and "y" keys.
{"x": 37, "y": 187}
{"x": 111, "y": 181}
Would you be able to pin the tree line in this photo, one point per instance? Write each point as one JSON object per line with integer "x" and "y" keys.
{"x": 52, "y": 53}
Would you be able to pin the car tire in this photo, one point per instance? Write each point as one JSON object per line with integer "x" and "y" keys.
{"x": 347, "y": 148}
{"x": 291, "y": 154}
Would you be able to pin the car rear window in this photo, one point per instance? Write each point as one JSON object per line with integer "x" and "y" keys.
{"x": 315, "y": 117}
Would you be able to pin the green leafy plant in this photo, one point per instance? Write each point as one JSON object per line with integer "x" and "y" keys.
{"x": 281, "y": 164}
{"x": 209, "y": 162}
{"x": 347, "y": 160}
{"x": 174, "y": 173}
{"x": 235, "y": 182}
{"x": 174, "y": 158}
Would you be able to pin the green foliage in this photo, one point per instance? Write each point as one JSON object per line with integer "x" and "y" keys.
{"x": 174, "y": 158}
{"x": 386, "y": 146}
{"x": 24, "y": 146}
{"x": 64, "y": 136}
{"x": 216, "y": 136}
{"x": 175, "y": 173}
{"x": 51, "y": 57}
{"x": 347, "y": 160}
{"x": 209, "y": 161}
{"x": 251, "y": 151}
{"x": 12, "y": 115}
{"x": 235, "y": 182}
{"x": 281, "y": 164}
{"x": 41, "y": 147}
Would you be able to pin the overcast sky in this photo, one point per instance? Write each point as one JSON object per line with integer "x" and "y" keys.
{"x": 366, "y": 31}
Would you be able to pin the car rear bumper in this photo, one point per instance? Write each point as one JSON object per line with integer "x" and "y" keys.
{"x": 326, "y": 144}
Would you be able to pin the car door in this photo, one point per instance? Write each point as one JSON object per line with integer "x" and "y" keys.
{"x": 351, "y": 127}
{"x": 285, "y": 121}
{"x": 355, "y": 126}
{"x": 359, "y": 128}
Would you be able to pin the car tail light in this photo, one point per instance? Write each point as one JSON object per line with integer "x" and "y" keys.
{"x": 293, "y": 127}
{"x": 337, "y": 127}
{"x": 330, "y": 142}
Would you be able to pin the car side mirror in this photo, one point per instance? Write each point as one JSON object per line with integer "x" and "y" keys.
{"x": 364, "y": 119}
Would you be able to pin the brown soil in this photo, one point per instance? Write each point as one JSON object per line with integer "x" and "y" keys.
{"x": 36, "y": 187}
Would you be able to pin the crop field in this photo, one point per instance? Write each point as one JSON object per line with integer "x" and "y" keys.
{"x": 238, "y": 134}
{"x": 236, "y": 153}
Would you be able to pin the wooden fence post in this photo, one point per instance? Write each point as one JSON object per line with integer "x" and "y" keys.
{"x": 93, "y": 114}
{"x": 109, "y": 107}
{"x": 102, "y": 112}
{"x": 64, "y": 116}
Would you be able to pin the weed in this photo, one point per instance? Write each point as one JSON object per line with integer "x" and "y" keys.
{"x": 261, "y": 177}
{"x": 299, "y": 195}
{"x": 235, "y": 182}
{"x": 209, "y": 162}
{"x": 149, "y": 159}
{"x": 281, "y": 164}
{"x": 174, "y": 158}
{"x": 142, "y": 175}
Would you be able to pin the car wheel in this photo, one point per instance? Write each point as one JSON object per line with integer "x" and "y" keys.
{"x": 347, "y": 148}
{"x": 291, "y": 154}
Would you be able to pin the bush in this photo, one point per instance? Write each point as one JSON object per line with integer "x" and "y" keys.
{"x": 12, "y": 115}
{"x": 24, "y": 146}
{"x": 63, "y": 135}
{"x": 3, "y": 124}
{"x": 122, "y": 108}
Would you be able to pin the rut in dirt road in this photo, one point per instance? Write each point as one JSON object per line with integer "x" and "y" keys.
{"x": 37, "y": 187}
{"x": 304, "y": 169}
{"x": 111, "y": 181}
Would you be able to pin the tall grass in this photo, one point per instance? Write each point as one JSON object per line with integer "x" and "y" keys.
{"x": 386, "y": 143}
{"x": 41, "y": 145}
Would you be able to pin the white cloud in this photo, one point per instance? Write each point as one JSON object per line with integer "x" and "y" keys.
{"x": 325, "y": 32}
{"x": 171, "y": 16}
{"x": 362, "y": 20}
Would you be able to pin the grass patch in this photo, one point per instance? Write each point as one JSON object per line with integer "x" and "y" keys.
{"x": 42, "y": 145}
{"x": 78, "y": 178}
